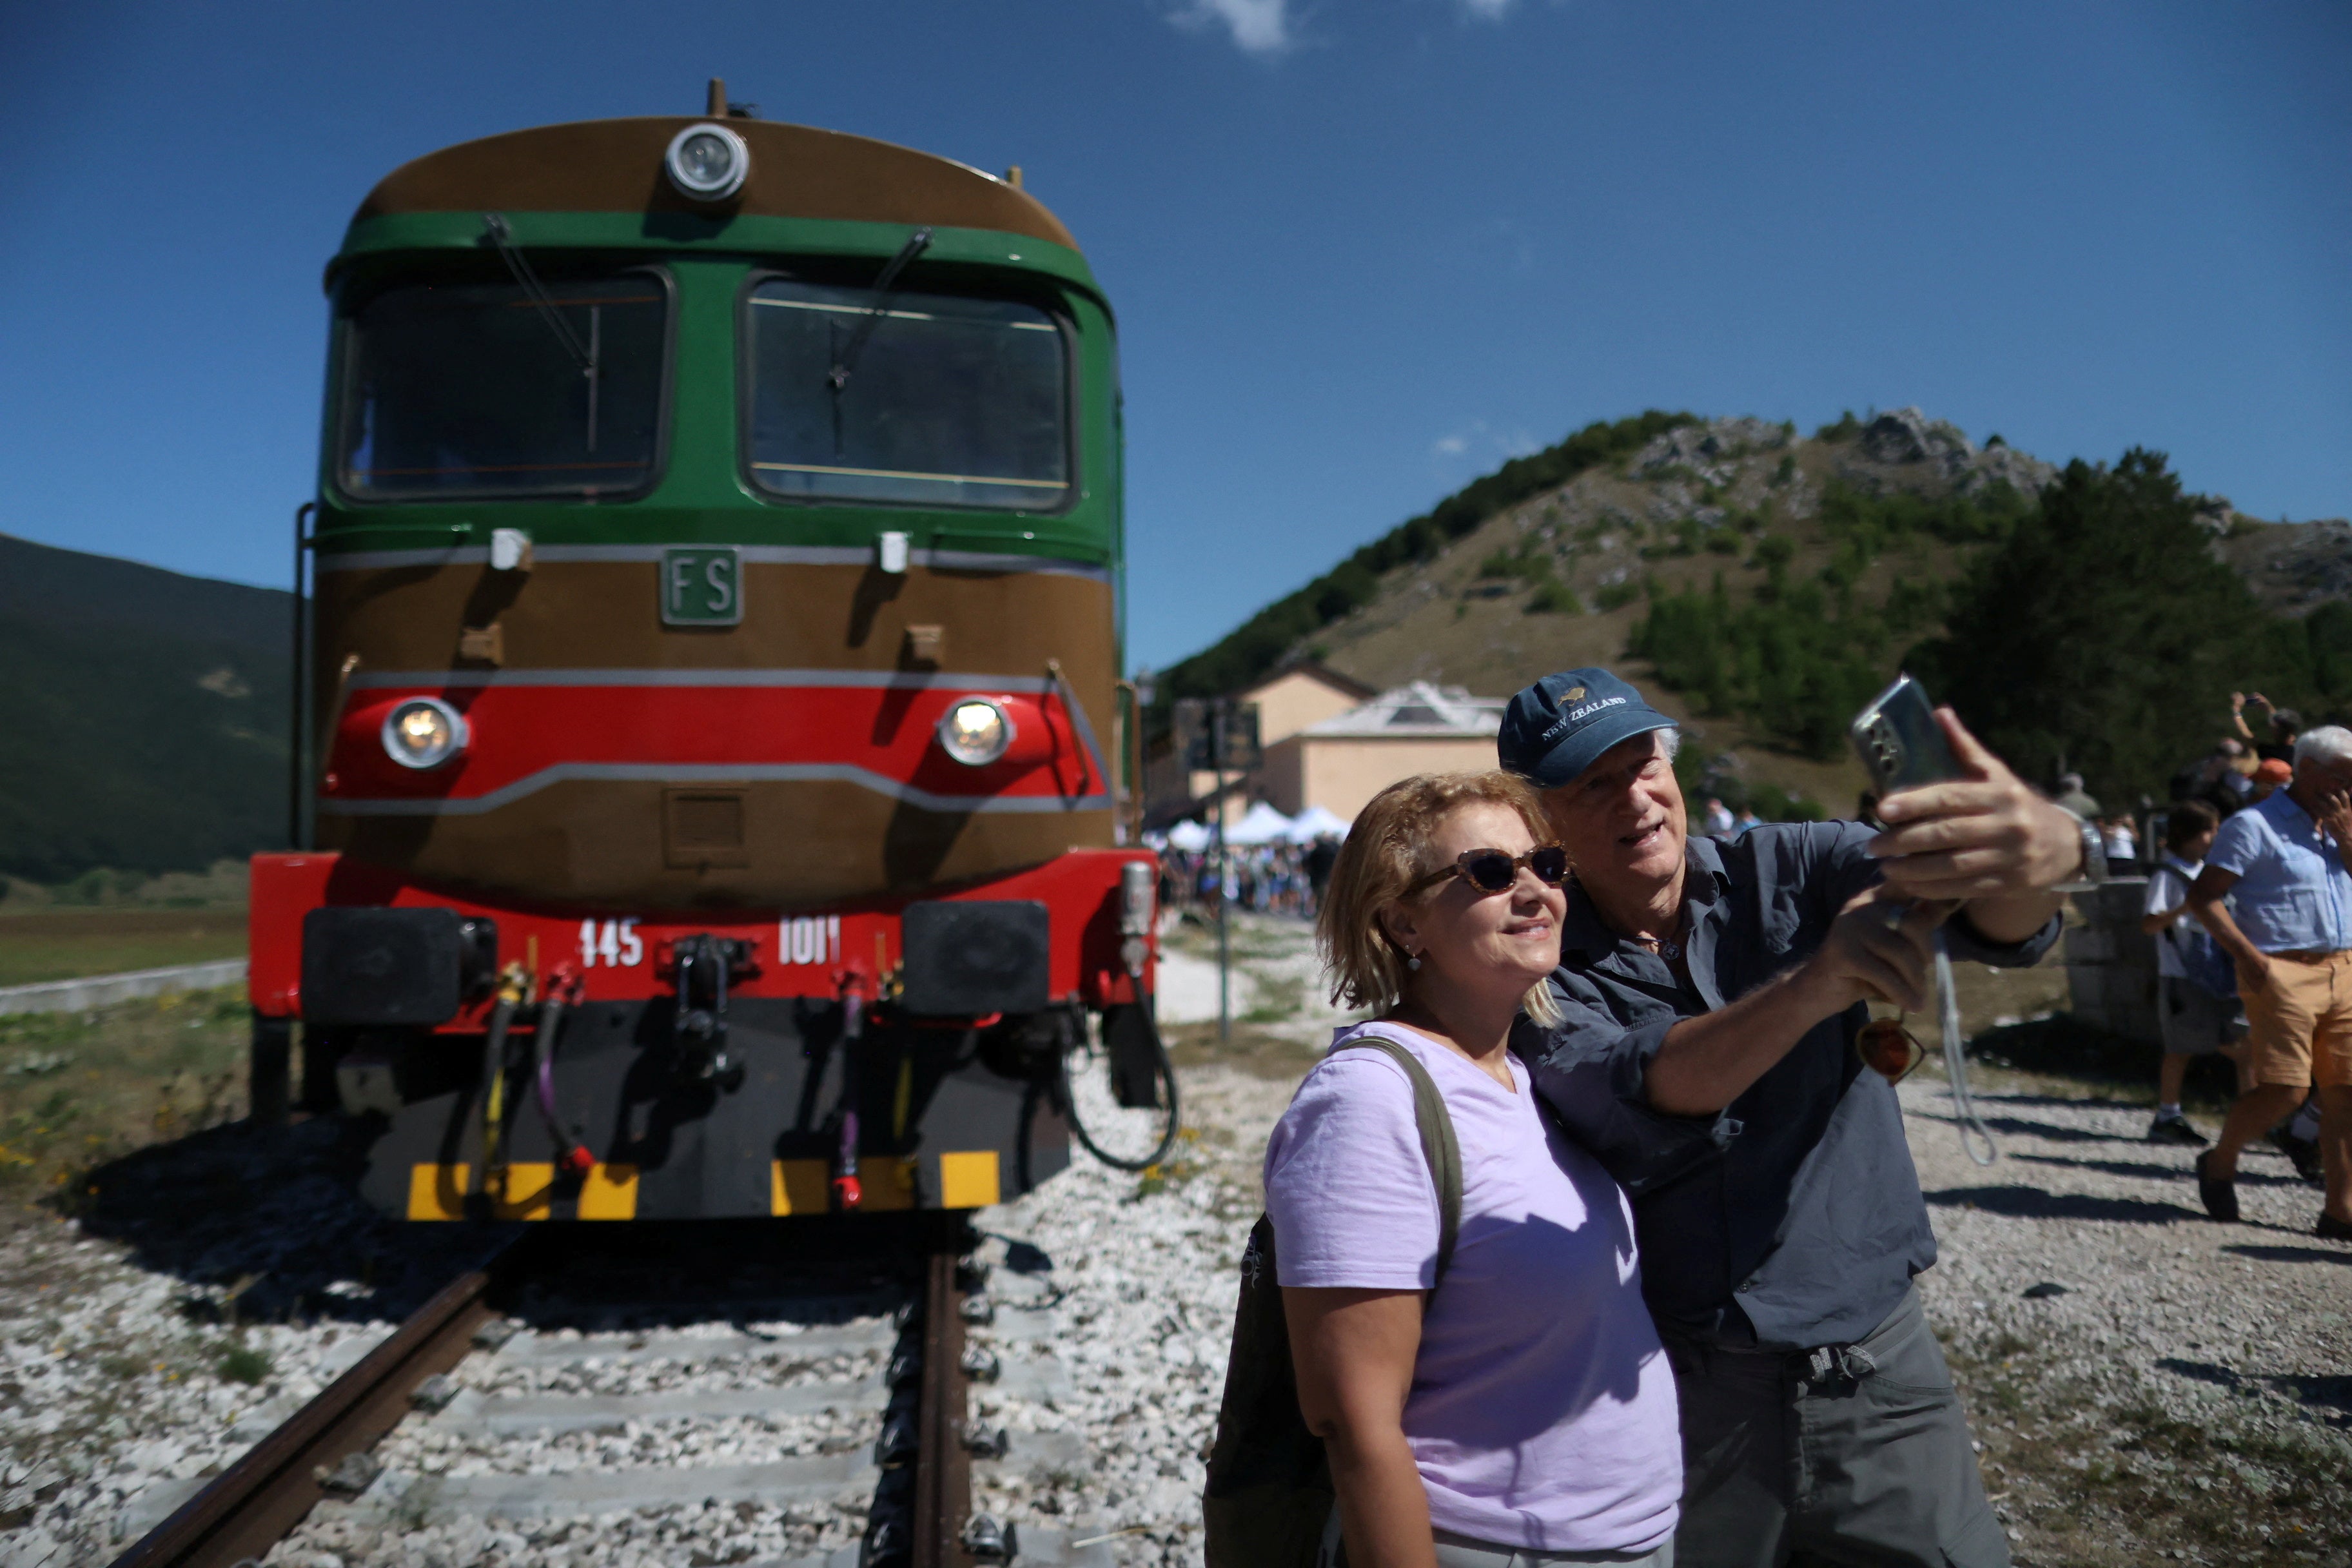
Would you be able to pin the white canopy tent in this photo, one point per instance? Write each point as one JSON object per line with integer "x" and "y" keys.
{"x": 1189, "y": 836}
{"x": 1262, "y": 825}
{"x": 1315, "y": 823}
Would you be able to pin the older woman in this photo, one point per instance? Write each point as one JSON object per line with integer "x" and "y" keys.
{"x": 1523, "y": 1412}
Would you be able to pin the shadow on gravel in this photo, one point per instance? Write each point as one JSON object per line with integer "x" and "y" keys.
{"x": 2021, "y": 1127}
{"x": 2292, "y": 1254}
{"x": 2184, "y": 1171}
{"x": 2320, "y": 1392}
{"x": 2032, "y": 1203}
{"x": 2146, "y": 1169}
{"x": 263, "y": 1224}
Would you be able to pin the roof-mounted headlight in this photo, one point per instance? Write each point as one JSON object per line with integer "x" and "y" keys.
{"x": 424, "y": 733}
{"x": 708, "y": 162}
{"x": 976, "y": 731}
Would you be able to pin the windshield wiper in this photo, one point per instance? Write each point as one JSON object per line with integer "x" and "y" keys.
{"x": 916, "y": 243}
{"x": 501, "y": 235}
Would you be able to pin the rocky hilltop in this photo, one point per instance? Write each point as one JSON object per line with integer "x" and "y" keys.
{"x": 1563, "y": 575}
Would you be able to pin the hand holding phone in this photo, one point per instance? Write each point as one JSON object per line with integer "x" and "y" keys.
{"x": 1959, "y": 825}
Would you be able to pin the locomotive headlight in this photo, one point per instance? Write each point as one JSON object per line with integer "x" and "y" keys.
{"x": 708, "y": 162}
{"x": 424, "y": 733}
{"x": 975, "y": 731}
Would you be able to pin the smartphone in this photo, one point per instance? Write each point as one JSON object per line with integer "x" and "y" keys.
{"x": 1899, "y": 741}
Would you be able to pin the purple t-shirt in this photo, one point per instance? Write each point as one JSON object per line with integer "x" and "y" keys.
{"x": 1542, "y": 1409}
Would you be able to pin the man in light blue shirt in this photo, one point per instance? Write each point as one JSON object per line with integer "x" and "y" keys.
{"x": 2288, "y": 862}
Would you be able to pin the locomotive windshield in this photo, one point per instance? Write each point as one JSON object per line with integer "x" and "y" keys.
{"x": 480, "y": 389}
{"x": 932, "y": 399}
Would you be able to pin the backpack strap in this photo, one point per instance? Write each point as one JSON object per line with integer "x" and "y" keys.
{"x": 1438, "y": 1148}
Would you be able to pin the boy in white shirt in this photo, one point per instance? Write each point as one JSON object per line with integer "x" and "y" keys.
{"x": 2191, "y": 1020}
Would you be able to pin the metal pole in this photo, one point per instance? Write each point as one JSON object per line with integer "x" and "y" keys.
{"x": 1224, "y": 950}
{"x": 296, "y": 708}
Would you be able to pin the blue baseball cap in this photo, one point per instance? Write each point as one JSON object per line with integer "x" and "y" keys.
{"x": 1559, "y": 727}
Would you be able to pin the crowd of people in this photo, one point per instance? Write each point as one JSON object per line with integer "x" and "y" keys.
{"x": 2251, "y": 906}
{"x": 1271, "y": 878}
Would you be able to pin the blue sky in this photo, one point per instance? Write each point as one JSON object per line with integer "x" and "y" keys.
{"x": 1360, "y": 251}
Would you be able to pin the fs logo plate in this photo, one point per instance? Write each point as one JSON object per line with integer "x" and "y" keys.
{"x": 702, "y": 586}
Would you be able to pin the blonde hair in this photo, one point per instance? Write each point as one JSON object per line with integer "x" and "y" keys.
{"x": 1387, "y": 849}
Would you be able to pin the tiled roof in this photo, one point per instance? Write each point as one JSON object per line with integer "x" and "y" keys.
{"x": 1413, "y": 710}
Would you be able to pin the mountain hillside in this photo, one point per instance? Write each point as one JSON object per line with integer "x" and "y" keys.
{"x": 1672, "y": 529}
{"x": 145, "y": 714}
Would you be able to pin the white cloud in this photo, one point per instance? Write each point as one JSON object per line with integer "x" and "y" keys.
{"x": 1258, "y": 26}
{"x": 1487, "y": 10}
{"x": 1486, "y": 442}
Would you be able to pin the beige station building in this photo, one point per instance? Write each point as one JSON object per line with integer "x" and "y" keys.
{"x": 1333, "y": 742}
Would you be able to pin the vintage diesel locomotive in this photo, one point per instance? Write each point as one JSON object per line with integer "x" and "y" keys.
{"x": 711, "y": 741}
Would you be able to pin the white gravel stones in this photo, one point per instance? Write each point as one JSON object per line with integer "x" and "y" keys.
{"x": 1188, "y": 989}
{"x": 2161, "y": 1313}
{"x": 215, "y": 1285}
{"x": 1140, "y": 1286}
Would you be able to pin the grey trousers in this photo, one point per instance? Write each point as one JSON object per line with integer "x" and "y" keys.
{"x": 1830, "y": 1456}
{"x": 1460, "y": 1551}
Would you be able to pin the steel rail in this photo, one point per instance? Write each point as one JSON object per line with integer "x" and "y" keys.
{"x": 259, "y": 1500}
{"x": 942, "y": 1464}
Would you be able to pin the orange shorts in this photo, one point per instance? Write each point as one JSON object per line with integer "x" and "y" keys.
{"x": 2300, "y": 1025}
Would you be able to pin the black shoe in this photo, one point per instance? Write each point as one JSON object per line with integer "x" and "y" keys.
{"x": 2330, "y": 1228}
{"x": 2220, "y": 1197}
{"x": 2174, "y": 1130}
{"x": 2303, "y": 1151}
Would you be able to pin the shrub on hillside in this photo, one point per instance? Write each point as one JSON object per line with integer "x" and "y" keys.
{"x": 1798, "y": 658}
{"x": 1252, "y": 649}
{"x": 2105, "y": 637}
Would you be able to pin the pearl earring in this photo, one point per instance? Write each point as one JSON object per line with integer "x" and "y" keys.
{"x": 1412, "y": 961}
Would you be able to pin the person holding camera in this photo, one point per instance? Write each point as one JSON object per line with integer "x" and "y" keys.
{"x": 1710, "y": 1054}
{"x": 2285, "y": 867}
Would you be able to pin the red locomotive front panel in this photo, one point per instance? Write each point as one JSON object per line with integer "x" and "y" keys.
{"x": 521, "y": 1063}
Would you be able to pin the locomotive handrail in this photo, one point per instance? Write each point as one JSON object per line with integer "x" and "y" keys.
{"x": 296, "y": 770}
{"x": 1090, "y": 752}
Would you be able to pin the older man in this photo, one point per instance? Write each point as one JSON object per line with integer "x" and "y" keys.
{"x": 2285, "y": 864}
{"x": 1713, "y": 994}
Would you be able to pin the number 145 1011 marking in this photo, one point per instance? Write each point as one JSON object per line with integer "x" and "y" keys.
{"x": 615, "y": 942}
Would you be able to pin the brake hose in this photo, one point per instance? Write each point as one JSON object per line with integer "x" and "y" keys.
{"x": 1166, "y": 1072}
{"x": 494, "y": 1077}
{"x": 564, "y": 984}
{"x": 849, "y": 1193}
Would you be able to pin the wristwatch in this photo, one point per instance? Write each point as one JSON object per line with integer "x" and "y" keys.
{"x": 2094, "y": 872}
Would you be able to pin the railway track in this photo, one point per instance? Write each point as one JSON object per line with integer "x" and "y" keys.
{"x": 559, "y": 1384}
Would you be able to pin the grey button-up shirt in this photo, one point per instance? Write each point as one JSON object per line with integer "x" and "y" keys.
{"x": 1793, "y": 1218}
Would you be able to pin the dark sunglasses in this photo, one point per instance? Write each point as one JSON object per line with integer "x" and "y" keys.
{"x": 1889, "y": 1049}
{"x": 1494, "y": 870}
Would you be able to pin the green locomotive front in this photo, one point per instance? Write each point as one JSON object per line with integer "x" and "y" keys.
{"x": 711, "y": 733}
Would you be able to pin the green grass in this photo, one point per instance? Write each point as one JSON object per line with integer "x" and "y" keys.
{"x": 243, "y": 1363}
{"x": 77, "y": 1090}
{"x": 66, "y": 944}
